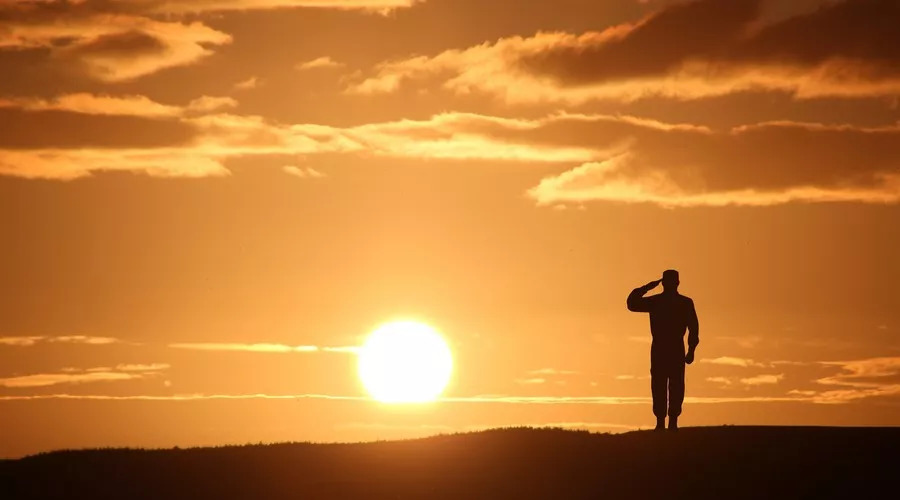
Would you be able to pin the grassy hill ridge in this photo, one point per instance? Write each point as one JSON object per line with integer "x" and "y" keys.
{"x": 701, "y": 462}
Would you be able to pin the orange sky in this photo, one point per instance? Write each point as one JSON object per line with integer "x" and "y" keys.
{"x": 182, "y": 180}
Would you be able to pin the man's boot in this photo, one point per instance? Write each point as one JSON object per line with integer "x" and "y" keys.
{"x": 673, "y": 423}
{"x": 660, "y": 423}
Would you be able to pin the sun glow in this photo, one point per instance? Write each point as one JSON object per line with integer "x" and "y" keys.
{"x": 405, "y": 362}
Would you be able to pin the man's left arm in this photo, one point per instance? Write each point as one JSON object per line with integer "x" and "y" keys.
{"x": 693, "y": 333}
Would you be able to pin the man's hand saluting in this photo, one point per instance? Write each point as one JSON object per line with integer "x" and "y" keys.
{"x": 653, "y": 284}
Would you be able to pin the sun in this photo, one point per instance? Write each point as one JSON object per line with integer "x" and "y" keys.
{"x": 405, "y": 362}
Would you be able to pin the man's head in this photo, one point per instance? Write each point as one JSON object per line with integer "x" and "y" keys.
{"x": 670, "y": 280}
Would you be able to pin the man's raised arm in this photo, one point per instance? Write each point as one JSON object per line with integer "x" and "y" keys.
{"x": 636, "y": 301}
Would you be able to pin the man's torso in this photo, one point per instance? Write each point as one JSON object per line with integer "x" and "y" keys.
{"x": 669, "y": 317}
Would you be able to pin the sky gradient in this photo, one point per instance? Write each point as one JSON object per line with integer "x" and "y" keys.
{"x": 206, "y": 206}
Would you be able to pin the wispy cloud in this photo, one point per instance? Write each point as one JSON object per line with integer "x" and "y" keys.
{"x": 768, "y": 379}
{"x": 319, "y": 63}
{"x": 201, "y": 144}
{"x": 86, "y": 103}
{"x": 303, "y": 172}
{"x": 352, "y": 349}
{"x": 152, "y": 367}
{"x": 249, "y": 83}
{"x": 20, "y": 341}
{"x": 531, "y": 381}
{"x": 260, "y": 347}
{"x": 118, "y": 105}
{"x": 620, "y": 159}
{"x": 84, "y": 339}
{"x": 208, "y": 104}
{"x": 862, "y": 373}
{"x": 181, "y": 397}
{"x": 86, "y": 375}
{"x": 668, "y": 55}
{"x": 552, "y": 371}
{"x": 518, "y": 400}
{"x": 121, "y": 40}
{"x": 720, "y": 380}
{"x": 858, "y": 379}
{"x": 200, "y": 6}
{"x": 110, "y": 46}
{"x": 746, "y": 342}
{"x": 385, "y": 427}
{"x": 733, "y": 361}
{"x": 65, "y": 339}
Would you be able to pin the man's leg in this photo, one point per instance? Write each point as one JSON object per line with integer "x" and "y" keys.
{"x": 676, "y": 393}
{"x": 658, "y": 382}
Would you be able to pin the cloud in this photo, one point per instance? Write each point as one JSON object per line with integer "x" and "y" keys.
{"x": 685, "y": 50}
{"x": 152, "y": 367}
{"x": 516, "y": 400}
{"x": 352, "y": 349}
{"x": 732, "y": 361}
{"x": 531, "y": 381}
{"x": 200, "y": 6}
{"x": 552, "y": 371}
{"x": 200, "y": 144}
{"x": 319, "y": 63}
{"x": 107, "y": 42}
{"x": 863, "y": 373}
{"x": 83, "y": 376}
{"x": 66, "y": 339}
{"x": 383, "y": 427}
{"x": 69, "y": 164}
{"x": 613, "y": 400}
{"x": 746, "y": 342}
{"x": 111, "y": 105}
{"x": 762, "y": 379}
{"x": 208, "y": 104}
{"x": 620, "y": 159}
{"x": 858, "y": 379}
{"x": 759, "y": 165}
{"x": 84, "y": 339}
{"x": 250, "y": 83}
{"x": 303, "y": 172}
{"x": 262, "y": 347}
{"x": 179, "y": 397}
{"x": 720, "y": 380}
{"x": 120, "y": 40}
{"x": 20, "y": 341}
{"x": 85, "y": 103}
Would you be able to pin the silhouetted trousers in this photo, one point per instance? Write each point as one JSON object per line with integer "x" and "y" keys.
{"x": 667, "y": 379}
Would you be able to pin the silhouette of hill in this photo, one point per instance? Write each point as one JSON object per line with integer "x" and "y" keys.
{"x": 521, "y": 463}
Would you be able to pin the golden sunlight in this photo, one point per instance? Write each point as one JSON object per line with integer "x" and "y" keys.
{"x": 405, "y": 362}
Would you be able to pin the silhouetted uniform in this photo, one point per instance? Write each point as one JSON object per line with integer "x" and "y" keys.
{"x": 671, "y": 314}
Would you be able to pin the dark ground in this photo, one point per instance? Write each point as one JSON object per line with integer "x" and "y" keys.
{"x": 696, "y": 463}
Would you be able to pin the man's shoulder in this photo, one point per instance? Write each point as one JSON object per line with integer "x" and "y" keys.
{"x": 686, "y": 299}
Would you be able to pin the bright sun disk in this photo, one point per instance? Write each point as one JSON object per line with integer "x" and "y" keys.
{"x": 405, "y": 362}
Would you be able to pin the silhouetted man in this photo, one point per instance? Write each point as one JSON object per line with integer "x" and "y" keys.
{"x": 670, "y": 315}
